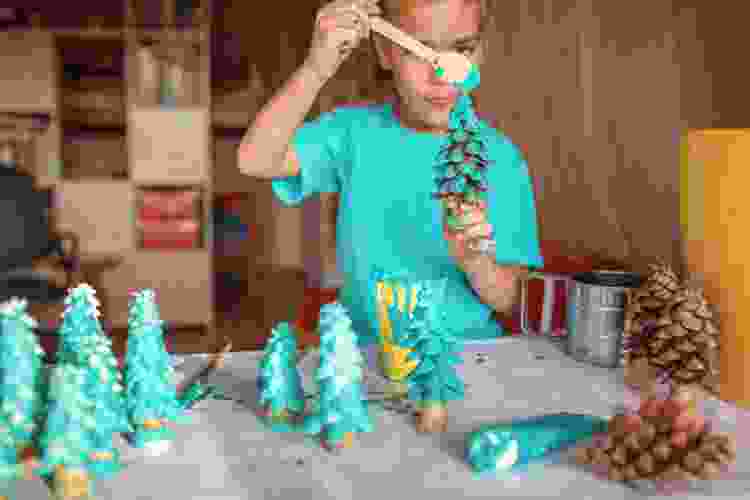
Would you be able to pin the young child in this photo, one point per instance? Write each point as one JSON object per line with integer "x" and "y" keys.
{"x": 380, "y": 159}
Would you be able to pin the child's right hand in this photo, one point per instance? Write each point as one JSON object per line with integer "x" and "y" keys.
{"x": 340, "y": 26}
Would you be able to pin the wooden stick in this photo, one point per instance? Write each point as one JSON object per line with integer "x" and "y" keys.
{"x": 394, "y": 34}
{"x": 216, "y": 362}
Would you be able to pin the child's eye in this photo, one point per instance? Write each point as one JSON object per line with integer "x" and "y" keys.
{"x": 467, "y": 50}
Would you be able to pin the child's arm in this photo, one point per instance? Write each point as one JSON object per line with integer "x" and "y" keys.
{"x": 265, "y": 150}
{"x": 496, "y": 285}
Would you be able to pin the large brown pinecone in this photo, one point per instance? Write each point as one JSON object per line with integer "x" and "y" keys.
{"x": 652, "y": 453}
{"x": 685, "y": 341}
{"x": 644, "y": 306}
{"x": 682, "y": 344}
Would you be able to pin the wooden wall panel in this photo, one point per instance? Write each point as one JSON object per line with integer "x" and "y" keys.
{"x": 723, "y": 27}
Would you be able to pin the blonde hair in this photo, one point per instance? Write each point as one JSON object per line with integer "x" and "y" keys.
{"x": 390, "y": 9}
{"x": 380, "y": 81}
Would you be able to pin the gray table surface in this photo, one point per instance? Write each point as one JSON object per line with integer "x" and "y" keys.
{"x": 226, "y": 453}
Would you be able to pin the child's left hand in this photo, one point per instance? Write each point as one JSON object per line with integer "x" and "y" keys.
{"x": 460, "y": 242}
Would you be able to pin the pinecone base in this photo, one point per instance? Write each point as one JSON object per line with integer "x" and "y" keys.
{"x": 660, "y": 445}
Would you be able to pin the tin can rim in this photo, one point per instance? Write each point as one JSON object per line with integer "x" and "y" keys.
{"x": 618, "y": 279}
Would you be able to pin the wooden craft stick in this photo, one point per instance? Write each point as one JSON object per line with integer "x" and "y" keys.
{"x": 216, "y": 362}
{"x": 380, "y": 25}
{"x": 455, "y": 66}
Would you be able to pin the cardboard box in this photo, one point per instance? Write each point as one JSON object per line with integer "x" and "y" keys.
{"x": 29, "y": 81}
{"x": 169, "y": 146}
{"x": 100, "y": 213}
{"x": 101, "y": 156}
{"x": 162, "y": 233}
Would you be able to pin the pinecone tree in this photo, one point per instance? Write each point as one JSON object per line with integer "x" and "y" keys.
{"x": 67, "y": 439}
{"x": 12, "y": 467}
{"x": 279, "y": 383}
{"x": 434, "y": 382}
{"x": 84, "y": 344}
{"x": 395, "y": 297}
{"x": 341, "y": 409}
{"x": 461, "y": 169}
{"x": 80, "y": 326}
{"x": 106, "y": 390}
{"x": 644, "y": 307}
{"x": 151, "y": 397}
{"x": 661, "y": 443}
{"x": 22, "y": 385}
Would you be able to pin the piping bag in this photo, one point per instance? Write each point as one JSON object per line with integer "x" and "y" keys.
{"x": 512, "y": 445}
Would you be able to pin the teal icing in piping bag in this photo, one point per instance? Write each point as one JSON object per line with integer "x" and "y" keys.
{"x": 512, "y": 445}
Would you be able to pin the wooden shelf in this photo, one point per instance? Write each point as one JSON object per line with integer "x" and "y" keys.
{"x": 32, "y": 121}
{"x": 114, "y": 127}
{"x": 150, "y": 34}
{"x": 91, "y": 121}
{"x": 73, "y": 127}
{"x": 228, "y": 132}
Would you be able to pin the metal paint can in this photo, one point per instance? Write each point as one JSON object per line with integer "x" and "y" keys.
{"x": 596, "y": 316}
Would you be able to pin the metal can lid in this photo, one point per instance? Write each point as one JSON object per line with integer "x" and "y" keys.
{"x": 609, "y": 279}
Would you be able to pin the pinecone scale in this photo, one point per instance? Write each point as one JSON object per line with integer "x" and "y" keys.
{"x": 644, "y": 307}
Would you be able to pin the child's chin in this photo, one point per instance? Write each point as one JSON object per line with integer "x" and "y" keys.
{"x": 438, "y": 119}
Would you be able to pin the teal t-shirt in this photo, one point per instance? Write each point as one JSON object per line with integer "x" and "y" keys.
{"x": 387, "y": 218}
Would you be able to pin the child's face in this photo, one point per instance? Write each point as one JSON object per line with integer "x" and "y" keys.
{"x": 442, "y": 25}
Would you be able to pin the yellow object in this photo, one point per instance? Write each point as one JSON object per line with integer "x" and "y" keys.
{"x": 152, "y": 424}
{"x": 101, "y": 456}
{"x": 348, "y": 440}
{"x": 715, "y": 215}
{"x": 71, "y": 484}
{"x": 393, "y": 358}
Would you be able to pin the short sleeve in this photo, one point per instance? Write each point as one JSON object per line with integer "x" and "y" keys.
{"x": 322, "y": 149}
{"x": 512, "y": 210}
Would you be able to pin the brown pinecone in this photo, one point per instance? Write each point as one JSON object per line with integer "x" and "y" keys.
{"x": 651, "y": 453}
{"x": 685, "y": 341}
{"x": 644, "y": 306}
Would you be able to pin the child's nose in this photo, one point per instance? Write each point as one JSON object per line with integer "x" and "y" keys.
{"x": 434, "y": 78}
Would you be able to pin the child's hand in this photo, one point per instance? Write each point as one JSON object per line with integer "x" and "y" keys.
{"x": 460, "y": 242}
{"x": 340, "y": 26}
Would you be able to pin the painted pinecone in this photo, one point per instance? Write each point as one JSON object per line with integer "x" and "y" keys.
{"x": 644, "y": 307}
{"x": 461, "y": 171}
{"x": 650, "y": 452}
